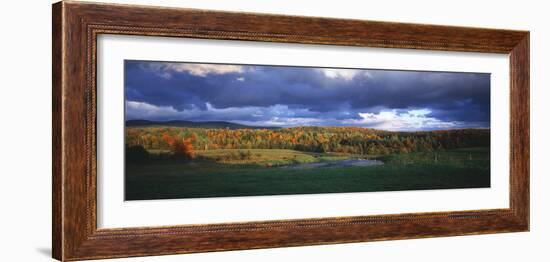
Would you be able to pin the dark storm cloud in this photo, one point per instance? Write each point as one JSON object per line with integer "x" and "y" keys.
{"x": 306, "y": 92}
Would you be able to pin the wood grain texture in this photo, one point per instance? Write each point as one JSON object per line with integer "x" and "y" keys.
{"x": 57, "y": 190}
{"x": 76, "y": 27}
{"x": 519, "y": 129}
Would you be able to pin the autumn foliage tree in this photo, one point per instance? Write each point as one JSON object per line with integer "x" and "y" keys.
{"x": 182, "y": 141}
{"x": 180, "y": 147}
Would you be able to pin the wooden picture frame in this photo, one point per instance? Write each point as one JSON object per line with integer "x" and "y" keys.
{"x": 76, "y": 26}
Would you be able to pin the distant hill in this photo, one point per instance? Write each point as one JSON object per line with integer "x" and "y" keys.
{"x": 184, "y": 123}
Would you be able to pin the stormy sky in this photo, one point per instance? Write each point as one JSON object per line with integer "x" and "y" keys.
{"x": 296, "y": 96}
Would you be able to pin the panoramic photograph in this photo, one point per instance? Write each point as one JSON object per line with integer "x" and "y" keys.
{"x": 197, "y": 130}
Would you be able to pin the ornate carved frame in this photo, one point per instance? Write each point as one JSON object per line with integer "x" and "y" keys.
{"x": 76, "y": 26}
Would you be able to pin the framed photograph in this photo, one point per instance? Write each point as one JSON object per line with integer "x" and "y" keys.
{"x": 181, "y": 130}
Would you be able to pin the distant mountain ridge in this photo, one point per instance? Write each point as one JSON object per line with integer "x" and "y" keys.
{"x": 197, "y": 124}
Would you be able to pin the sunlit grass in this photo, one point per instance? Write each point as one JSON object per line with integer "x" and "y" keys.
{"x": 212, "y": 177}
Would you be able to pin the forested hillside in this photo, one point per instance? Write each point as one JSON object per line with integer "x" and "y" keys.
{"x": 352, "y": 140}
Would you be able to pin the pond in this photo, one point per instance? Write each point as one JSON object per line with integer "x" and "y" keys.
{"x": 337, "y": 163}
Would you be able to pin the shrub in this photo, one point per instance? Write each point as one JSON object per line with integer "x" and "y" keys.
{"x": 181, "y": 148}
{"x": 245, "y": 155}
{"x": 136, "y": 153}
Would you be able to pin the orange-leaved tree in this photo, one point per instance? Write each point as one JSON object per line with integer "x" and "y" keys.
{"x": 179, "y": 146}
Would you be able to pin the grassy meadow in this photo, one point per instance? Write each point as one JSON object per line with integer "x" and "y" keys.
{"x": 222, "y": 172}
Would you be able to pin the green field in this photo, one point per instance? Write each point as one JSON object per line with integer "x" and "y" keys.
{"x": 232, "y": 172}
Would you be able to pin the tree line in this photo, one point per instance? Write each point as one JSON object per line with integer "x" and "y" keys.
{"x": 352, "y": 140}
